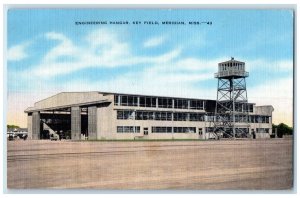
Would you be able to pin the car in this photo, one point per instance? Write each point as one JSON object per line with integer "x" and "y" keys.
{"x": 10, "y": 138}
{"x": 54, "y": 136}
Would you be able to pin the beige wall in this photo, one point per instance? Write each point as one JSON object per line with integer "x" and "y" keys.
{"x": 29, "y": 126}
{"x": 105, "y": 120}
{"x": 108, "y": 122}
{"x": 69, "y": 98}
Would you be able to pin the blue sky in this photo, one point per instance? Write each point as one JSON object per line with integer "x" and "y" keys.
{"x": 47, "y": 53}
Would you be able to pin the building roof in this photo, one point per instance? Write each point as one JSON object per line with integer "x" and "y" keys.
{"x": 68, "y": 99}
{"x": 232, "y": 61}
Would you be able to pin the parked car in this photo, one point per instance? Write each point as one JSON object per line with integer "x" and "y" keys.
{"x": 54, "y": 136}
{"x": 10, "y": 138}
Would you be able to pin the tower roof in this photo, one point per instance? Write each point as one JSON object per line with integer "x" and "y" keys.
{"x": 232, "y": 61}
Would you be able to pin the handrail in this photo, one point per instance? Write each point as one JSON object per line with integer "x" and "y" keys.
{"x": 231, "y": 73}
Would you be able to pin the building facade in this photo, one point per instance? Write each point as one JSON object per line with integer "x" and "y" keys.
{"x": 106, "y": 116}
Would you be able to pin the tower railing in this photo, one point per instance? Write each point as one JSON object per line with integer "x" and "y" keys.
{"x": 231, "y": 73}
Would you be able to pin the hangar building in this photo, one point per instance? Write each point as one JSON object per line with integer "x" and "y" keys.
{"x": 102, "y": 115}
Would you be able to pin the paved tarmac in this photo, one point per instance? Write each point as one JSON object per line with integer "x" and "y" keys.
{"x": 148, "y": 165}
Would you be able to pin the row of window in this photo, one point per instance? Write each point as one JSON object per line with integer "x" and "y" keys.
{"x": 224, "y": 65}
{"x": 143, "y": 115}
{"x": 159, "y": 129}
{"x": 128, "y": 129}
{"x": 259, "y": 119}
{"x": 143, "y": 101}
{"x": 159, "y": 115}
{"x": 183, "y": 116}
{"x": 175, "y": 129}
{"x": 239, "y": 107}
{"x": 243, "y": 130}
{"x": 262, "y": 130}
{"x": 252, "y": 118}
{"x": 242, "y": 118}
{"x": 243, "y": 107}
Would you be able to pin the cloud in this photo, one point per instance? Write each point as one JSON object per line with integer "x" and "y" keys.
{"x": 167, "y": 74}
{"x": 155, "y": 41}
{"x": 270, "y": 65}
{"x": 17, "y": 52}
{"x": 279, "y": 94}
{"x": 101, "y": 48}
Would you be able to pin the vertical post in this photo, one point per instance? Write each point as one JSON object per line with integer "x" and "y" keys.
{"x": 29, "y": 125}
{"x": 119, "y": 100}
{"x": 75, "y": 123}
{"x": 173, "y": 103}
{"x": 36, "y": 125}
{"x": 233, "y": 103}
{"x": 92, "y": 123}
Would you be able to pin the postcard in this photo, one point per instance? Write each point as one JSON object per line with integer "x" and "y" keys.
{"x": 150, "y": 99}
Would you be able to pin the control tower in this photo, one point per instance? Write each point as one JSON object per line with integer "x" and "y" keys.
{"x": 232, "y": 109}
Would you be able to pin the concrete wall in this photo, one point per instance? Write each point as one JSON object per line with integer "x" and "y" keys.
{"x": 36, "y": 125}
{"x": 105, "y": 122}
{"x": 69, "y": 98}
{"x": 154, "y": 123}
{"x": 29, "y": 125}
{"x": 75, "y": 123}
{"x": 92, "y": 122}
{"x": 262, "y": 110}
{"x": 108, "y": 122}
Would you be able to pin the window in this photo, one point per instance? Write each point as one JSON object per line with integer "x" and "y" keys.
{"x": 196, "y": 104}
{"x": 267, "y": 119}
{"x": 139, "y": 115}
{"x": 119, "y": 115}
{"x": 129, "y": 100}
{"x": 165, "y": 103}
{"x": 147, "y": 102}
{"x": 116, "y": 100}
{"x": 125, "y": 115}
{"x": 184, "y": 129}
{"x": 142, "y": 101}
{"x": 241, "y": 118}
{"x": 132, "y": 101}
{"x": 196, "y": 117}
{"x": 262, "y": 130}
{"x": 249, "y": 108}
{"x": 119, "y": 129}
{"x": 145, "y": 115}
{"x": 238, "y": 107}
{"x": 200, "y": 131}
{"x": 128, "y": 129}
{"x": 153, "y": 102}
{"x": 162, "y": 115}
{"x": 180, "y": 104}
{"x": 161, "y": 129}
{"x": 258, "y": 119}
{"x": 124, "y": 100}
{"x": 181, "y": 117}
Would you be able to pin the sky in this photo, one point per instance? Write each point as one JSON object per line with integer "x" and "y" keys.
{"x": 48, "y": 53}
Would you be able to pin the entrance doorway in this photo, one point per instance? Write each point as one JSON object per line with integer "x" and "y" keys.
{"x": 200, "y": 131}
{"x": 146, "y": 131}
